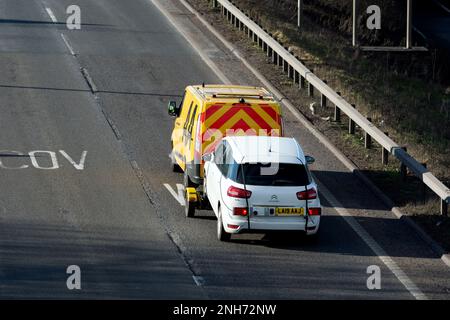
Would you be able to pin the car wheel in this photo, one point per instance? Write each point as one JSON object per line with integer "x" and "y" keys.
{"x": 313, "y": 238}
{"x": 222, "y": 235}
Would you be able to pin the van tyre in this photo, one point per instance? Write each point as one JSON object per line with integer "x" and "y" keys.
{"x": 189, "y": 207}
{"x": 222, "y": 235}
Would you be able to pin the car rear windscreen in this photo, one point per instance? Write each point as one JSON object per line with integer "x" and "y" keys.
{"x": 276, "y": 174}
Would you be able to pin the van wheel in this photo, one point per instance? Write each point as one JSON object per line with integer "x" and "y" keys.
{"x": 189, "y": 207}
{"x": 222, "y": 235}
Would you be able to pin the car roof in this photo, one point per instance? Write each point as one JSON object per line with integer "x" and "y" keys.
{"x": 265, "y": 149}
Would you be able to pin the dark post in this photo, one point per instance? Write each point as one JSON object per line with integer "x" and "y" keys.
{"x": 424, "y": 187}
{"x": 302, "y": 82}
{"x": 323, "y": 99}
{"x": 310, "y": 87}
{"x": 403, "y": 168}
{"x": 310, "y": 90}
{"x": 291, "y": 72}
{"x": 384, "y": 153}
{"x": 367, "y": 138}
{"x": 444, "y": 208}
{"x": 351, "y": 124}
{"x": 296, "y": 77}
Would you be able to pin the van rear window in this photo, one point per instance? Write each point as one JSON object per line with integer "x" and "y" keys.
{"x": 276, "y": 174}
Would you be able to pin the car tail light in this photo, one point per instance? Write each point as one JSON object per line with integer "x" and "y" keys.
{"x": 307, "y": 195}
{"x": 314, "y": 211}
{"x": 233, "y": 226}
{"x": 238, "y": 193}
{"x": 240, "y": 211}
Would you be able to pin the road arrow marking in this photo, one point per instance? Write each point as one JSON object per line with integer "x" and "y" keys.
{"x": 180, "y": 196}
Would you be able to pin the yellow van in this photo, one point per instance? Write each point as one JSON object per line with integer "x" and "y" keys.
{"x": 208, "y": 113}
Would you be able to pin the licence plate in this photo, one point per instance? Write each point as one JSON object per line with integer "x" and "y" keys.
{"x": 289, "y": 211}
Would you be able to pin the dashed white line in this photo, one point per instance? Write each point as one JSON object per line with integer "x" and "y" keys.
{"x": 68, "y": 45}
{"x": 199, "y": 281}
{"x": 52, "y": 16}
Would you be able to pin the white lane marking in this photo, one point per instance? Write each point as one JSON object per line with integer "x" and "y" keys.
{"x": 376, "y": 248}
{"x": 193, "y": 43}
{"x": 199, "y": 281}
{"x": 180, "y": 196}
{"x": 52, "y": 16}
{"x": 66, "y": 42}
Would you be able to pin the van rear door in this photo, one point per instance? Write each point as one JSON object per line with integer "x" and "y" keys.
{"x": 224, "y": 119}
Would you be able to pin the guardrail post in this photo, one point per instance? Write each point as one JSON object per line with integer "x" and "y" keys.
{"x": 403, "y": 168}
{"x": 269, "y": 52}
{"x": 302, "y": 82}
{"x": 367, "y": 137}
{"x": 337, "y": 114}
{"x": 280, "y": 61}
{"x": 385, "y": 153}
{"x": 323, "y": 99}
{"x": 444, "y": 208}
{"x": 290, "y": 72}
{"x": 424, "y": 186}
{"x": 310, "y": 90}
{"x": 296, "y": 77}
{"x": 274, "y": 57}
{"x": 351, "y": 124}
{"x": 214, "y": 4}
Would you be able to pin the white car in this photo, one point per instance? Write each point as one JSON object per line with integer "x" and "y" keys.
{"x": 259, "y": 183}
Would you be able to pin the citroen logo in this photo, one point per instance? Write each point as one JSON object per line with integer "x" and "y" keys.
{"x": 274, "y": 198}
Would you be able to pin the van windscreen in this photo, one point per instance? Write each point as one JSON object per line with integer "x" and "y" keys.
{"x": 273, "y": 174}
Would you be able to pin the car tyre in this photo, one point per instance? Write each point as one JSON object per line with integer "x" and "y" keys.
{"x": 222, "y": 235}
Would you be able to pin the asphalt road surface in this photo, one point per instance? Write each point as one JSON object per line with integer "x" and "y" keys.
{"x": 83, "y": 174}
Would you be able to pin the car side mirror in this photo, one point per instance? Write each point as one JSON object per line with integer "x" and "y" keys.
{"x": 173, "y": 109}
{"x": 310, "y": 160}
